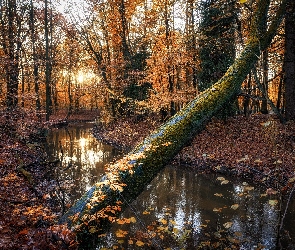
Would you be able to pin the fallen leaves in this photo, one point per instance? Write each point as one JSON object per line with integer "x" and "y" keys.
{"x": 126, "y": 220}
{"x": 235, "y": 206}
{"x": 218, "y": 210}
{"x": 121, "y": 233}
{"x": 227, "y": 225}
{"x": 273, "y": 203}
{"x": 222, "y": 180}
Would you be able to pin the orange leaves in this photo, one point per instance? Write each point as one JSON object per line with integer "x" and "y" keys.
{"x": 139, "y": 243}
{"x": 117, "y": 187}
{"x": 126, "y": 220}
{"x": 24, "y": 231}
{"x": 121, "y": 233}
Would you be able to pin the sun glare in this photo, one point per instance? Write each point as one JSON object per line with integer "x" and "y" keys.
{"x": 81, "y": 77}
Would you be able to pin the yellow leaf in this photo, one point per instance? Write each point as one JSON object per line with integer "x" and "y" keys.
{"x": 278, "y": 162}
{"x": 235, "y": 206}
{"x": 160, "y": 228}
{"x": 145, "y": 212}
{"x": 264, "y": 124}
{"x": 228, "y": 224}
{"x": 130, "y": 242}
{"x": 218, "y": 167}
{"x": 92, "y": 230}
{"x": 121, "y": 233}
{"x": 132, "y": 219}
{"x": 220, "y": 178}
{"x": 163, "y": 221}
{"x": 248, "y": 188}
{"x": 217, "y": 210}
{"x": 116, "y": 187}
{"x": 273, "y": 202}
{"x": 219, "y": 195}
{"x": 175, "y": 230}
{"x": 139, "y": 243}
{"x": 258, "y": 161}
{"x": 173, "y": 222}
{"x": 224, "y": 182}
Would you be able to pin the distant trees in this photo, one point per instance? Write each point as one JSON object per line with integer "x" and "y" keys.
{"x": 133, "y": 57}
{"x": 12, "y": 36}
{"x": 127, "y": 176}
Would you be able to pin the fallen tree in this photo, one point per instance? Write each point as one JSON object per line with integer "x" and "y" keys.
{"x": 125, "y": 179}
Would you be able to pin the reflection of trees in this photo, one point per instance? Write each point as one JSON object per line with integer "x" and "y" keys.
{"x": 188, "y": 199}
{"x": 255, "y": 220}
{"x": 82, "y": 158}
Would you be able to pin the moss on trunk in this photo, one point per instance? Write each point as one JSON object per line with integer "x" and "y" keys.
{"x": 126, "y": 178}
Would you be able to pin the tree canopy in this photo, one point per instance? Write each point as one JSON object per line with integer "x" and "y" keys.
{"x": 133, "y": 57}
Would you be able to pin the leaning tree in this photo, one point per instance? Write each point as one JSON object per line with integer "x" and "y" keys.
{"x": 126, "y": 178}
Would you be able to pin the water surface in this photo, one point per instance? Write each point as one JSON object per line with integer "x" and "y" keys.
{"x": 180, "y": 208}
{"x": 82, "y": 157}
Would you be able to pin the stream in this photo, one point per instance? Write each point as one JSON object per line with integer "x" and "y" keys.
{"x": 180, "y": 208}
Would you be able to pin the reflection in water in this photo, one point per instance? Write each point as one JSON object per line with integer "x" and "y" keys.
{"x": 193, "y": 210}
{"x": 82, "y": 157}
{"x": 179, "y": 209}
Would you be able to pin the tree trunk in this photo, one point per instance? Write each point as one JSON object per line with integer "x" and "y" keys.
{"x": 48, "y": 67}
{"x": 289, "y": 64}
{"x": 35, "y": 58}
{"x": 126, "y": 178}
{"x": 12, "y": 50}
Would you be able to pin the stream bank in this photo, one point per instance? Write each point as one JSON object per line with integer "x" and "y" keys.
{"x": 239, "y": 143}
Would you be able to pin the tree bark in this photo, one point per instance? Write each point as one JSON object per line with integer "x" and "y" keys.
{"x": 48, "y": 66}
{"x": 10, "y": 34}
{"x": 289, "y": 64}
{"x": 35, "y": 57}
{"x": 126, "y": 178}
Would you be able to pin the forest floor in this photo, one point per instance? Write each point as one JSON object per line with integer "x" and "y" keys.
{"x": 257, "y": 147}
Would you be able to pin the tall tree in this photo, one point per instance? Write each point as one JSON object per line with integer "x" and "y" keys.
{"x": 191, "y": 44}
{"x": 289, "y": 64}
{"x": 11, "y": 42}
{"x": 217, "y": 40}
{"x": 48, "y": 63}
{"x": 35, "y": 56}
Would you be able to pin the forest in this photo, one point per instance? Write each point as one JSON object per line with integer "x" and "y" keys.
{"x": 203, "y": 85}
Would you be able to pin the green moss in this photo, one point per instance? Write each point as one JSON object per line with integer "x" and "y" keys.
{"x": 165, "y": 142}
